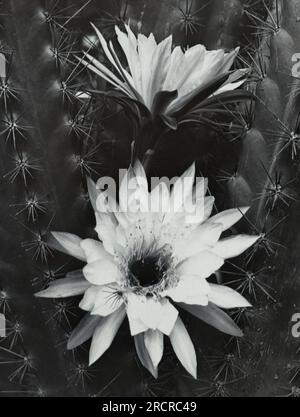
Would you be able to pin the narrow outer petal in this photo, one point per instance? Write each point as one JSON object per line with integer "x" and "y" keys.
{"x": 234, "y": 246}
{"x": 105, "y": 333}
{"x": 154, "y": 342}
{"x": 227, "y": 298}
{"x": 184, "y": 348}
{"x": 66, "y": 287}
{"x": 68, "y": 244}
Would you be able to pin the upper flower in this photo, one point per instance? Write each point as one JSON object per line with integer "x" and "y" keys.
{"x": 147, "y": 264}
{"x": 165, "y": 80}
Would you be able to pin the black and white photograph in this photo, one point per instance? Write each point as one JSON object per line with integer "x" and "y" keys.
{"x": 149, "y": 201}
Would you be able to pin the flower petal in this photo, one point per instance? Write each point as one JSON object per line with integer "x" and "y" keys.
{"x": 143, "y": 355}
{"x": 66, "y": 287}
{"x": 148, "y": 313}
{"x": 105, "y": 333}
{"x": 94, "y": 251}
{"x": 102, "y": 272}
{"x": 227, "y": 298}
{"x": 229, "y": 217}
{"x": 88, "y": 301}
{"x": 159, "y": 69}
{"x": 83, "y": 332}
{"x": 107, "y": 301}
{"x": 106, "y": 229}
{"x": 215, "y": 317}
{"x": 190, "y": 290}
{"x": 204, "y": 237}
{"x": 67, "y": 243}
{"x": 204, "y": 264}
{"x": 154, "y": 342}
{"x": 234, "y": 246}
{"x": 184, "y": 348}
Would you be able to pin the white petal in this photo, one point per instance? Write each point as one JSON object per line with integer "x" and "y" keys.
{"x": 190, "y": 290}
{"x": 99, "y": 69}
{"x": 107, "y": 301}
{"x": 67, "y": 243}
{"x": 184, "y": 348}
{"x": 229, "y": 217}
{"x": 83, "y": 332}
{"x": 203, "y": 237}
{"x": 154, "y": 342}
{"x": 102, "y": 272}
{"x": 143, "y": 354}
{"x": 148, "y": 313}
{"x": 89, "y": 299}
{"x": 106, "y": 229}
{"x": 203, "y": 265}
{"x": 159, "y": 69}
{"x": 94, "y": 250}
{"x": 66, "y": 287}
{"x": 136, "y": 326}
{"x": 106, "y": 49}
{"x": 234, "y": 246}
{"x": 227, "y": 298}
{"x": 105, "y": 333}
{"x": 214, "y": 316}
{"x": 168, "y": 317}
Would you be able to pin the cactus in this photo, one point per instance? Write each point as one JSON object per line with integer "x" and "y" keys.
{"x": 55, "y": 133}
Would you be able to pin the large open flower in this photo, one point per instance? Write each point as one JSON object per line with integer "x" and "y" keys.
{"x": 148, "y": 264}
{"x": 166, "y": 81}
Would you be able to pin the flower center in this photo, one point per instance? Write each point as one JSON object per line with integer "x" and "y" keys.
{"x": 147, "y": 272}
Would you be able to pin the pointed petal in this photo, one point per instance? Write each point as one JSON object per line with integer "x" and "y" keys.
{"x": 234, "y": 246}
{"x": 102, "y": 272}
{"x": 83, "y": 332}
{"x": 227, "y": 298}
{"x": 99, "y": 69}
{"x": 67, "y": 243}
{"x": 204, "y": 237}
{"x": 66, "y": 287}
{"x": 106, "y": 49}
{"x": 229, "y": 217}
{"x": 88, "y": 301}
{"x": 94, "y": 251}
{"x": 215, "y": 317}
{"x": 154, "y": 342}
{"x": 105, "y": 333}
{"x": 184, "y": 348}
{"x": 203, "y": 265}
{"x": 168, "y": 318}
{"x": 190, "y": 290}
{"x": 159, "y": 69}
{"x": 144, "y": 356}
